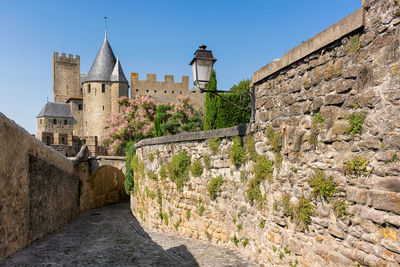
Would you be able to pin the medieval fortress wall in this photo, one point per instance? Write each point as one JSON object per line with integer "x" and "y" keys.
{"x": 66, "y": 77}
{"x": 306, "y": 105}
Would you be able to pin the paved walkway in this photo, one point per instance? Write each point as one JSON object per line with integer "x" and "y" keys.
{"x": 111, "y": 236}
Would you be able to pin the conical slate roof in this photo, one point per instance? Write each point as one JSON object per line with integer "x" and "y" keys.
{"x": 118, "y": 74}
{"x": 55, "y": 110}
{"x": 103, "y": 65}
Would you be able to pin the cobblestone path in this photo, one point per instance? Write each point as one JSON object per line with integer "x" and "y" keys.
{"x": 111, "y": 236}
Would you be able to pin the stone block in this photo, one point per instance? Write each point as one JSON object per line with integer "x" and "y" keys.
{"x": 383, "y": 200}
{"x": 340, "y": 127}
{"x": 357, "y": 195}
{"x": 335, "y": 99}
{"x": 338, "y": 259}
{"x": 388, "y": 184}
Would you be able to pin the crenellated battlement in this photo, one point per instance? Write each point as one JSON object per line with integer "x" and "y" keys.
{"x": 63, "y": 58}
{"x": 151, "y": 77}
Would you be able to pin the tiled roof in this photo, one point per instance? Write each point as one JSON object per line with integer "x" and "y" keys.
{"x": 55, "y": 110}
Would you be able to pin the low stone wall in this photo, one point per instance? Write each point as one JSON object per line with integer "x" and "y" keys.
{"x": 38, "y": 188}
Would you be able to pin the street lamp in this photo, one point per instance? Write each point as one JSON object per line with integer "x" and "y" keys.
{"x": 202, "y": 64}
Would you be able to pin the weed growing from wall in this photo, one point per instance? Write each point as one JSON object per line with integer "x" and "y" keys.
{"x": 163, "y": 172}
{"x": 197, "y": 168}
{"x": 339, "y": 208}
{"x": 263, "y": 169}
{"x": 201, "y": 210}
{"x": 159, "y": 197}
{"x": 165, "y": 218}
{"x": 323, "y": 186}
{"x": 235, "y": 240}
{"x": 215, "y": 186}
{"x": 250, "y": 148}
{"x": 237, "y": 154}
{"x": 152, "y": 175}
{"x": 207, "y": 161}
{"x": 245, "y": 242}
{"x": 354, "y": 45}
{"x": 150, "y": 157}
{"x": 317, "y": 122}
{"x": 276, "y": 146}
{"x": 261, "y": 224}
{"x": 188, "y": 213}
{"x": 356, "y": 120}
{"x": 244, "y": 176}
{"x": 178, "y": 169}
{"x": 303, "y": 212}
{"x": 213, "y": 145}
{"x": 357, "y": 167}
{"x": 287, "y": 207}
{"x": 253, "y": 191}
{"x": 177, "y": 224}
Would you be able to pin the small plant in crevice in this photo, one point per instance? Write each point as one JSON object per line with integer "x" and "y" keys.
{"x": 261, "y": 224}
{"x": 196, "y": 168}
{"x": 276, "y": 146}
{"x": 188, "y": 213}
{"x": 263, "y": 169}
{"x": 239, "y": 227}
{"x": 213, "y": 145}
{"x": 201, "y": 210}
{"x": 163, "y": 172}
{"x": 235, "y": 240}
{"x": 152, "y": 175}
{"x": 281, "y": 255}
{"x": 303, "y": 212}
{"x": 250, "y": 148}
{"x": 165, "y": 218}
{"x": 275, "y": 206}
{"x": 315, "y": 128}
{"x": 287, "y": 251}
{"x": 354, "y": 44}
{"x": 178, "y": 169}
{"x": 358, "y": 166}
{"x": 323, "y": 186}
{"x": 356, "y": 120}
{"x": 339, "y": 208}
{"x": 287, "y": 207}
{"x": 150, "y": 157}
{"x": 237, "y": 154}
{"x": 318, "y": 118}
{"x": 177, "y": 224}
{"x": 253, "y": 191}
{"x": 244, "y": 176}
{"x": 245, "y": 242}
{"x": 159, "y": 197}
{"x": 215, "y": 186}
{"x": 207, "y": 161}
{"x": 274, "y": 249}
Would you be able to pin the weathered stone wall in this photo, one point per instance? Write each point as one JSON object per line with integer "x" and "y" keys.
{"x": 303, "y": 124}
{"x": 167, "y": 91}
{"x": 38, "y": 188}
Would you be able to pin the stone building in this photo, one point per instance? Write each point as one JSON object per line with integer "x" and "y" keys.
{"x": 82, "y": 103}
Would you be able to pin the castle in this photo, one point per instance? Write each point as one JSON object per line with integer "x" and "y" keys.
{"x": 83, "y": 102}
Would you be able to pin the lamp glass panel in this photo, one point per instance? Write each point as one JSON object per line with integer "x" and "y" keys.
{"x": 194, "y": 71}
{"x": 204, "y": 68}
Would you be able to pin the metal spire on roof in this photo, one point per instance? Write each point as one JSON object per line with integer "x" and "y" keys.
{"x": 105, "y": 22}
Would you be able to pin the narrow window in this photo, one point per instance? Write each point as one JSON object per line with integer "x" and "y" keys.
{"x": 147, "y": 91}
{"x": 80, "y": 107}
{"x": 103, "y": 107}
{"x": 54, "y": 121}
{"x": 103, "y": 88}
{"x": 165, "y": 91}
{"x": 172, "y": 91}
{"x": 63, "y": 140}
{"x": 88, "y": 89}
{"x": 81, "y": 91}
{"x": 86, "y": 124}
{"x": 40, "y": 121}
{"x": 137, "y": 90}
{"x": 65, "y": 122}
{"x": 155, "y": 91}
{"x": 180, "y": 92}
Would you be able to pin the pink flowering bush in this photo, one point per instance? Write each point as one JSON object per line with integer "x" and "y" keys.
{"x": 136, "y": 121}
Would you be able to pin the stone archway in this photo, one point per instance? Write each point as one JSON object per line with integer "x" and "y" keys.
{"x": 104, "y": 186}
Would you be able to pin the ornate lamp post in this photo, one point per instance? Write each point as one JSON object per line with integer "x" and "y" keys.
{"x": 202, "y": 65}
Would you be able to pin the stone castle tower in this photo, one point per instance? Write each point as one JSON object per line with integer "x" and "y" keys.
{"x": 66, "y": 77}
{"x": 102, "y": 87}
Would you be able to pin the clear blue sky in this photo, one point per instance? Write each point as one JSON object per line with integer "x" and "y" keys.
{"x": 152, "y": 36}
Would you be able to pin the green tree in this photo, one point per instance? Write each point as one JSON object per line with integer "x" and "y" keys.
{"x": 210, "y": 113}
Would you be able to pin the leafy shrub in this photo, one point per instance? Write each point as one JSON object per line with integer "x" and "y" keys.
{"x": 357, "y": 166}
{"x": 197, "y": 168}
{"x": 213, "y": 144}
{"x": 263, "y": 169}
{"x": 322, "y": 186}
{"x": 207, "y": 161}
{"x": 130, "y": 152}
{"x": 287, "y": 207}
{"x": 215, "y": 186}
{"x": 303, "y": 212}
{"x": 356, "y": 120}
{"x": 250, "y": 148}
{"x": 179, "y": 169}
{"x": 237, "y": 153}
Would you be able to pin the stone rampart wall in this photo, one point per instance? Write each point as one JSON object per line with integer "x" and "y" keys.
{"x": 38, "y": 188}
{"x": 333, "y": 198}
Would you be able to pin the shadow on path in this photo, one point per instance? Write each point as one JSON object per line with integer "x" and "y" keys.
{"x": 107, "y": 236}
